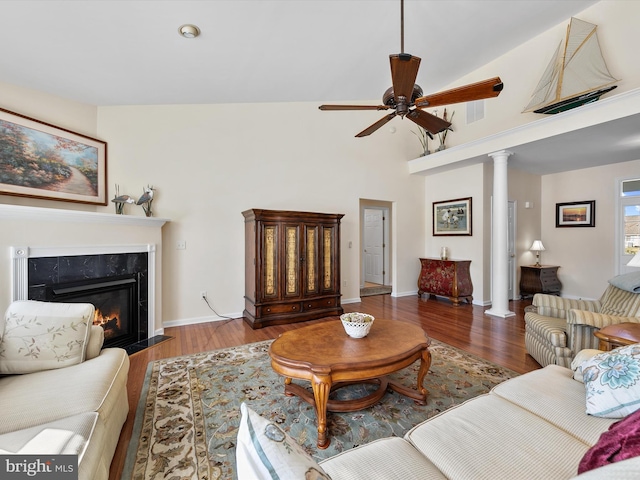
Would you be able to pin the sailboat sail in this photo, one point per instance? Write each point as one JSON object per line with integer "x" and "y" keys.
{"x": 576, "y": 75}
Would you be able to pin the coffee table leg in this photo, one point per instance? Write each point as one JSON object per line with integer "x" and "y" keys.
{"x": 321, "y": 387}
{"x": 425, "y": 364}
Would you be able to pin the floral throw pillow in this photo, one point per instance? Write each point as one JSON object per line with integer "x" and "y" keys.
{"x": 37, "y": 336}
{"x": 264, "y": 451}
{"x": 612, "y": 381}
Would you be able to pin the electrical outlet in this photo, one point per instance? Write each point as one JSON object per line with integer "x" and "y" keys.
{"x": 203, "y": 294}
{"x": 344, "y": 283}
{"x": 181, "y": 245}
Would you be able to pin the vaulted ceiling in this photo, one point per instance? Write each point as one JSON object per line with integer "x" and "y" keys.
{"x": 129, "y": 52}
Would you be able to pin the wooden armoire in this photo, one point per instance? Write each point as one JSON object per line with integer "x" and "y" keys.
{"x": 292, "y": 266}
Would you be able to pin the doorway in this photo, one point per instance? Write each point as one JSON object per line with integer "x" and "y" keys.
{"x": 375, "y": 248}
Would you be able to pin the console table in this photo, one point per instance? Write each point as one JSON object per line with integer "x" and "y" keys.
{"x": 448, "y": 278}
{"x": 542, "y": 279}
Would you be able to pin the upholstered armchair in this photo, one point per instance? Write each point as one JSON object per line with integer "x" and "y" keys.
{"x": 556, "y": 328}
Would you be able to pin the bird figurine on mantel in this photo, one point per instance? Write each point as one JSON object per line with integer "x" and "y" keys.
{"x": 121, "y": 200}
{"x": 146, "y": 199}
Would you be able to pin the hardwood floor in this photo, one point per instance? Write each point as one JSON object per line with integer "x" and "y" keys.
{"x": 499, "y": 340}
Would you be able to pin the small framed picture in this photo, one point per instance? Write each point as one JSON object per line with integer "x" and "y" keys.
{"x": 452, "y": 217}
{"x": 576, "y": 214}
{"x": 40, "y": 160}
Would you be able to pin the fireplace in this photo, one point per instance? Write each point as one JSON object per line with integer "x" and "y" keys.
{"x": 117, "y": 280}
{"x": 116, "y": 300}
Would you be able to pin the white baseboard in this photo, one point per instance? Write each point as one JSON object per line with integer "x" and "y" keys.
{"x": 192, "y": 321}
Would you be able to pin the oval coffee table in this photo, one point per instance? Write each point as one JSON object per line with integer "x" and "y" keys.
{"x": 327, "y": 357}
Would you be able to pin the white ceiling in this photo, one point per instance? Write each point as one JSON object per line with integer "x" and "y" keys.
{"x": 129, "y": 52}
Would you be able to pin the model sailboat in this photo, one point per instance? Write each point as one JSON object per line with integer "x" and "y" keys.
{"x": 577, "y": 74}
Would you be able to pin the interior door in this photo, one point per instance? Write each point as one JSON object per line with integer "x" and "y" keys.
{"x": 373, "y": 246}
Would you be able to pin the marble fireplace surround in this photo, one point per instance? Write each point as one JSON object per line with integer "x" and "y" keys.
{"x": 20, "y": 276}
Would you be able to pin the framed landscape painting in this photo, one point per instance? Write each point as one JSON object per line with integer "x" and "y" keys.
{"x": 40, "y": 160}
{"x": 452, "y": 217}
{"x": 576, "y": 214}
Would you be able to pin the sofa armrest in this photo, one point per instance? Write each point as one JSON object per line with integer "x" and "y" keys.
{"x": 96, "y": 340}
{"x": 580, "y": 337}
{"x": 557, "y": 307}
{"x": 597, "y": 320}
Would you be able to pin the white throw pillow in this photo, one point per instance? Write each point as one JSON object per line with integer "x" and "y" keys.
{"x": 37, "y": 336}
{"x": 265, "y": 451}
{"x": 612, "y": 381}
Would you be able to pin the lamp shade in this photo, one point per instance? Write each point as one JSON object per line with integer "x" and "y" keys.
{"x": 537, "y": 246}
{"x": 635, "y": 261}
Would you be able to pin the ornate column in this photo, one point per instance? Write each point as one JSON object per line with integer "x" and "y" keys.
{"x": 499, "y": 237}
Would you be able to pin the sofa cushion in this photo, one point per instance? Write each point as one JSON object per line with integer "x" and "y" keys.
{"x": 37, "y": 336}
{"x": 489, "y": 437}
{"x": 552, "y": 394}
{"x": 41, "y": 397}
{"x": 80, "y": 435}
{"x": 612, "y": 381}
{"x": 265, "y": 451}
{"x": 382, "y": 459}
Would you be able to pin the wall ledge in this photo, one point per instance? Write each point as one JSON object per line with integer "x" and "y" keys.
{"x": 20, "y": 212}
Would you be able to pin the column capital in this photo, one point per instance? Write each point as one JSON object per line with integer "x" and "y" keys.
{"x": 500, "y": 154}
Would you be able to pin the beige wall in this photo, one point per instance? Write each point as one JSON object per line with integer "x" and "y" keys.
{"x": 586, "y": 256}
{"x": 211, "y": 162}
{"x": 461, "y": 183}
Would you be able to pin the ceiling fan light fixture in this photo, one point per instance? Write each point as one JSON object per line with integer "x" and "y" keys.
{"x": 189, "y": 31}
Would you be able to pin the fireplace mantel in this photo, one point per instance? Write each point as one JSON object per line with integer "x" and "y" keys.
{"x": 40, "y": 214}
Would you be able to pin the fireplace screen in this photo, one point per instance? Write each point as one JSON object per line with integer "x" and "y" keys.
{"x": 116, "y": 301}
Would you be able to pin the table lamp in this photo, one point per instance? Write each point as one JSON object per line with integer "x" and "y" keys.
{"x": 537, "y": 247}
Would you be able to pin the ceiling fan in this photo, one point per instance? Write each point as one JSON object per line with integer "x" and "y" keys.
{"x": 406, "y": 98}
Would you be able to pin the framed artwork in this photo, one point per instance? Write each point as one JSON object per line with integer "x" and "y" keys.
{"x": 452, "y": 217}
{"x": 576, "y": 214}
{"x": 40, "y": 160}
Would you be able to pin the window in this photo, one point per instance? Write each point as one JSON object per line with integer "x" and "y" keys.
{"x": 628, "y": 222}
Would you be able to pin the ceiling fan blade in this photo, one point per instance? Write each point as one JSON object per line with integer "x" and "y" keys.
{"x": 377, "y": 125}
{"x": 467, "y": 93}
{"x": 404, "y": 71}
{"x": 430, "y": 123}
{"x": 353, "y": 107}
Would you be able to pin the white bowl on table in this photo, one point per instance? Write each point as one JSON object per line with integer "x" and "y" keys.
{"x": 356, "y": 324}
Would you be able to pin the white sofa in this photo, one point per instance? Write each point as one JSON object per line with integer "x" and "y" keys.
{"x": 73, "y": 400}
{"x": 533, "y": 426}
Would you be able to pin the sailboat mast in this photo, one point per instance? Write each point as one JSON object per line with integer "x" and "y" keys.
{"x": 563, "y": 62}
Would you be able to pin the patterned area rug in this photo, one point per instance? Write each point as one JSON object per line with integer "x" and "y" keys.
{"x": 189, "y": 410}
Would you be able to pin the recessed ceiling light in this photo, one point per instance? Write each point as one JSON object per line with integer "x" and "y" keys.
{"x": 189, "y": 31}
